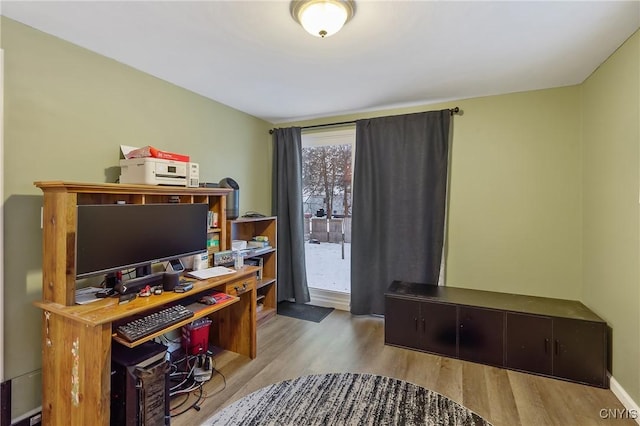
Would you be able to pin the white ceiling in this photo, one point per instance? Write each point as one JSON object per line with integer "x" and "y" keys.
{"x": 252, "y": 56}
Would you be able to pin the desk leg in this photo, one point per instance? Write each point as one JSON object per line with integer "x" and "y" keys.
{"x": 76, "y": 368}
{"x": 234, "y": 328}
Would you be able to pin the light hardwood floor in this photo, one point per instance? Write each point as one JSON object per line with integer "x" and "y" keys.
{"x": 289, "y": 348}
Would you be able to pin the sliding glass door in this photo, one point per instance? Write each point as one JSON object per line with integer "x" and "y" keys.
{"x": 327, "y": 158}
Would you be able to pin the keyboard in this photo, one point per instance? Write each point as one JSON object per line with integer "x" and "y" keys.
{"x": 156, "y": 321}
{"x": 216, "y": 271}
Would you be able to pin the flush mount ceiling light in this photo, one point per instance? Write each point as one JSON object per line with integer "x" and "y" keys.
{"x": 322, "y": 18}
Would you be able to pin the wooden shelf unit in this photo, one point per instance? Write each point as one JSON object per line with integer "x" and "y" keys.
{"x": 77, "y": 339}
{"x": 246, "y": 229}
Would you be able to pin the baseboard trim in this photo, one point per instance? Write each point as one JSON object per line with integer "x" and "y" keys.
{"x": 330, "y": 299}
{"x": 625, "y": 399}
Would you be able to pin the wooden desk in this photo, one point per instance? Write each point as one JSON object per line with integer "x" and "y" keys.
{"x": 77, "y": 340}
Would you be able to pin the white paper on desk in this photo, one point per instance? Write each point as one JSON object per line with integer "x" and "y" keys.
{"x": 87, "y": 295}
{"x": 205, "y": 274}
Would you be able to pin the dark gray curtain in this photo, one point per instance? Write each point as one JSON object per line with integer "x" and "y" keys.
{"x": 399, "y": 198}
{"x": 287, "y": 206}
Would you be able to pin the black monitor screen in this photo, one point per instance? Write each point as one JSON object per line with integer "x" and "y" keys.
{"x": 115, "y": 237}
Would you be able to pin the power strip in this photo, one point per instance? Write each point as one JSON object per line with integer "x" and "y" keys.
{"x": 203, "y": 370}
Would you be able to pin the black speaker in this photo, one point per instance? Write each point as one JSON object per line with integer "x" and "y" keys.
{"x": 170, "y": 280}
{"x": 233, "y": 199}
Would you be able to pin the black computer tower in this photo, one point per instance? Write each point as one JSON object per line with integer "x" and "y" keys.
{"x": 139, "y": 385}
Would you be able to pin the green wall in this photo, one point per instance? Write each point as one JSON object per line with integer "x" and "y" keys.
{"x": 514, "y": 208}
{"x": 611, "y": 217}
{"x": 67, "y": 111}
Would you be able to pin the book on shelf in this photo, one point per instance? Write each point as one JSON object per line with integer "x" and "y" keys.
{"x": 257, "y": 251}
{"x": 257, "y": 244}
{"x": 212, "y": 219}
{"x": 254, "y": 251}
{"x": 255, "y": 261}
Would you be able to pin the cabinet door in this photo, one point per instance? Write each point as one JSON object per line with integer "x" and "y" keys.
{"x": 437, "y": 327}
{"x": 401, "y": 322}
{"x": 529, "y": 343}
{"x": 481, "y": 335}
{"x": 580, "y": 351}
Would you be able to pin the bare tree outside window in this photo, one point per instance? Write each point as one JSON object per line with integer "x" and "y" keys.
{"x": 326, "y": 179}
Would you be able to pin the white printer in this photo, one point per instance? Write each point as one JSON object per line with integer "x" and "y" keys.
{"x": 158, "y": 171}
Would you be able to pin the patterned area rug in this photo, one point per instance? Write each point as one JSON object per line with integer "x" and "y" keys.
{"x": 345, "y": 399}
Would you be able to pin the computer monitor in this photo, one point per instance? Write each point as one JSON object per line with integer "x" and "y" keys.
{"x": 116, "y": 237}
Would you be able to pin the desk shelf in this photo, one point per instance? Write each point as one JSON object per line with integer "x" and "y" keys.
{"x": 246, "y": 229}
{"x": 204, "y": 311}
{"x": 265, "y": 281}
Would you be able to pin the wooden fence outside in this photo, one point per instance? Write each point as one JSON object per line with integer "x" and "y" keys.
{"x": 327, "y": 230}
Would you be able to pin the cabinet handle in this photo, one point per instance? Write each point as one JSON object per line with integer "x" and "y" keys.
{"x": 424, "y": 325}
{"x": 416, "y": 321}
{"x": 546, "y": 346}
{"x": 241, "y": 290}
{"x": 557, "y": 349}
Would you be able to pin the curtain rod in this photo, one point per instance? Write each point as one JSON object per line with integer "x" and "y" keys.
{"x": 453, "y": 111}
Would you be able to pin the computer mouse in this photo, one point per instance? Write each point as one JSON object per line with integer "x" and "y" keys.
{"x": 207, "y": 300}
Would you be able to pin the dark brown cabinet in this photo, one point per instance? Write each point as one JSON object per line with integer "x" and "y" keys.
{"x": 551, "y": 337}
{"x": 430, "y": 327}
{"x": 530, "y": 350}
{"x": 481, "y": 335}
{"x": 400, "y": 329}
{"x": 575, "y": 356}
{"x": 561, "y": 347}
{"x": 438, "y": 323}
